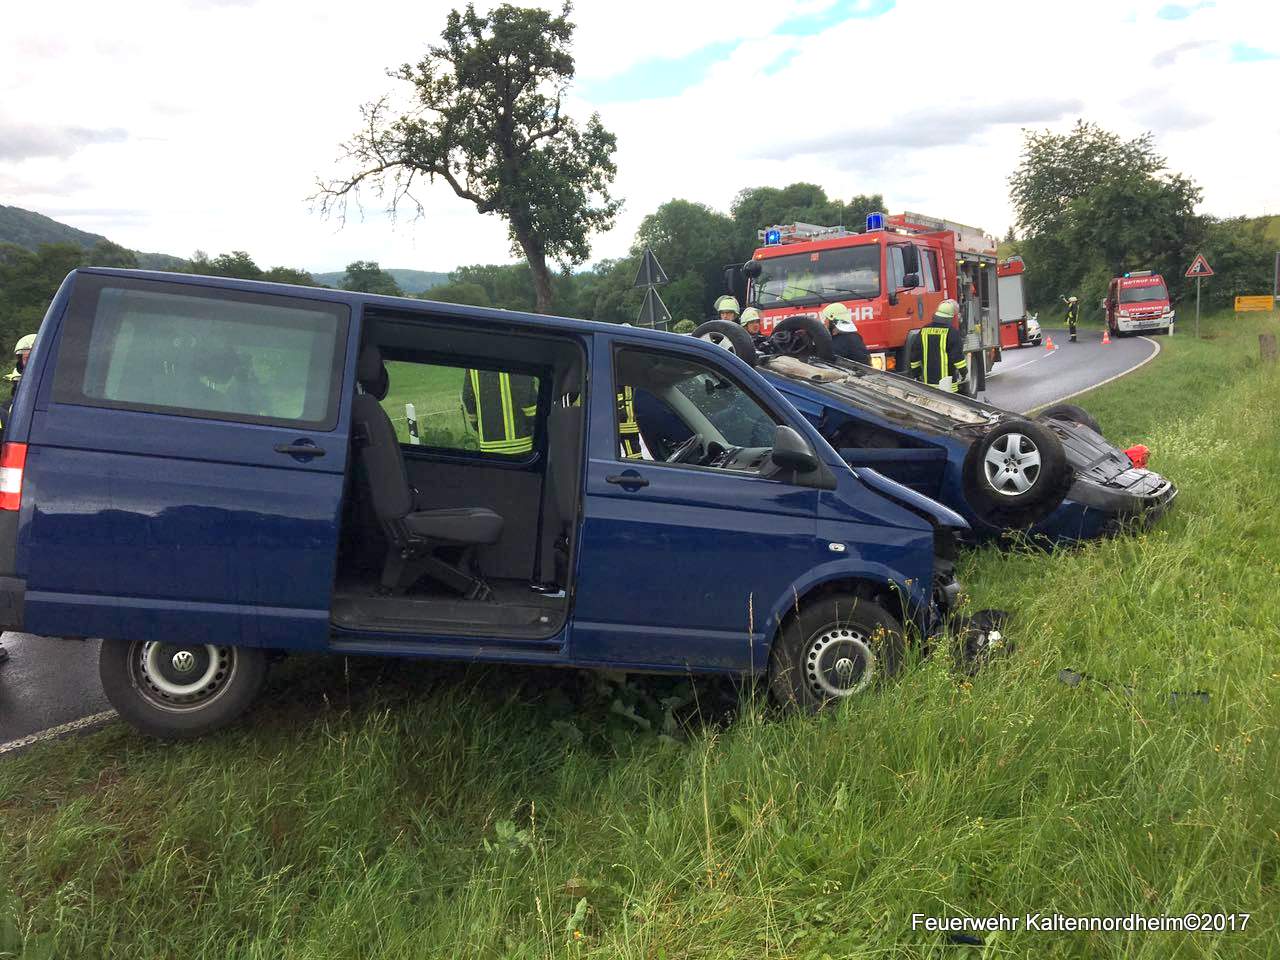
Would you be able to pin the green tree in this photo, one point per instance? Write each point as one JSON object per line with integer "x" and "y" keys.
{"x": 457, "y": 291}
{"x": 107, "y": 254}
{"x": 237, "y": 264}
{"x": 756, "y": 208}
{"x": 28, "y": 281}
{"x": 1242, "y": 257}
{"x": 289, "y": 275}
{"x": 488, "y": 121}
{"x": 1091, "y": 204}
{"x": 367, "y": 277}
{"x": 693, "y": 243}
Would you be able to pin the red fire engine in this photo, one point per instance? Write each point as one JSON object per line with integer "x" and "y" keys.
{"x": 892, "y": 276}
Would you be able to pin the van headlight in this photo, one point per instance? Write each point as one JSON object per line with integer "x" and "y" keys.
{"x": 1123, "y": 315}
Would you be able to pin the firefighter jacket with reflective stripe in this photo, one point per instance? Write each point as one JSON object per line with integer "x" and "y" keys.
{"x": 502, "y": 409}
{"x": 1073, "y": 313}
{"x": 628, "y": 427}
{"x": 938, "y": 353}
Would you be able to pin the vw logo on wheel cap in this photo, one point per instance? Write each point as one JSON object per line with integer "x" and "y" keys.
{"x": 183, "y": 661}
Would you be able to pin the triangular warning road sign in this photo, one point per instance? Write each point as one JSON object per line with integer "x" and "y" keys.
{"x": 650, "y": 273}
{"x": 1199, "y": 267}
{"x": 653, "y": 312}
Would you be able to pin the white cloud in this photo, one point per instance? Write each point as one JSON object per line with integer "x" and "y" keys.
{"x": 204, "y": 124}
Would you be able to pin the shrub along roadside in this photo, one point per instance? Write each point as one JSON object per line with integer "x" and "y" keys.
{"x": 395, "y": 810}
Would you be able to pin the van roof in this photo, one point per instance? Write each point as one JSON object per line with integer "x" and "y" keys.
{"x": 433, "y": 308}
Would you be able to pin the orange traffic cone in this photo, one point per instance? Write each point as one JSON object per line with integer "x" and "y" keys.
{"x": 1106, "y": 334}
{"x": 1048, "y": 344}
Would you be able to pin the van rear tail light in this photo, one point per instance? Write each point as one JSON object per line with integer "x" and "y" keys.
{"x": 13, "y": 458}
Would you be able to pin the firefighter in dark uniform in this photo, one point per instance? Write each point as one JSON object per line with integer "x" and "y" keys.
{"x": 501, "y": 409}
{"x": 846, "y": 341}
{"x": 937, "y": 354}
{"x": 21, "y": 351}
{"x": 1073, "y": 315}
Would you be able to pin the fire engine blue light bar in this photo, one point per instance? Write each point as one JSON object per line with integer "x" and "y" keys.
{"x": 875, "y": 221}
{"x": 772, "y": 237}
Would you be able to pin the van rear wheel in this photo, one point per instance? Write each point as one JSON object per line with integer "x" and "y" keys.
{"x": 178, "y": 691}
{"x": 834, "y": 648}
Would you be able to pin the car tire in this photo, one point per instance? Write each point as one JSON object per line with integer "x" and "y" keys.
{"x": 1016, "y": 474}
{"x": 1072, "y": 414}
{"x": 730, "y": 336}
{"x": 176, "y": 691}
{"x": 812, "y": 332}
{"x": 834, "y": 648}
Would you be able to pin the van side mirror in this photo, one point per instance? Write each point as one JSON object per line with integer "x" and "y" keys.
{"x": 792, "y": 452}
{"x": 735, "y": 282}
{"x": 910, "y": 281}
{"x": 752, "y": 269}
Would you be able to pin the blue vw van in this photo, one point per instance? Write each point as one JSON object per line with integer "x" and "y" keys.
{"x": 204, "y": 472}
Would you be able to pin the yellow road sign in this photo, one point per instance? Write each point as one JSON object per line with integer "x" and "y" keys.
{"x": 1254, "y": 303}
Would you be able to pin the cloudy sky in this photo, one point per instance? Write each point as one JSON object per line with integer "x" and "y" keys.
{"x": 181, "y": 124}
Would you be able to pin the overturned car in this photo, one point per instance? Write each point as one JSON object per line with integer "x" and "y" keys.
{"x": 1053, "y": 477}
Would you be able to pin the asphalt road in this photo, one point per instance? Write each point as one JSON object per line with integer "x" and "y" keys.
{"x": 1031, "y": 377}
{"x": 49, "y": 683}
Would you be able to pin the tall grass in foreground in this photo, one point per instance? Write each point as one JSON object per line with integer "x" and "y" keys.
{"x": 407, "y": 810}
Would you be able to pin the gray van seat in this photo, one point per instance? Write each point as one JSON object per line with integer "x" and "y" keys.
{"x": 414, "y": 535}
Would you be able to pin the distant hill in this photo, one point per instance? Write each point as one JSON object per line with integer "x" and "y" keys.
{"x": 411, "y": 281}
{"x": 29, "y": 229}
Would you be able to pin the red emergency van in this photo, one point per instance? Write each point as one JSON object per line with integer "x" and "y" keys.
{"x": 1138, "y": 302}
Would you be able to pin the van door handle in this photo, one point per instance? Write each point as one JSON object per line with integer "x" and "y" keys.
{"x": 630, "y": 480}
{"x": 300, "y": 449}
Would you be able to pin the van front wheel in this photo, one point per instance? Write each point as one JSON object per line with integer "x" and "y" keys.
{"x": 179, "y": 691}
{"x": 834, "y": 648}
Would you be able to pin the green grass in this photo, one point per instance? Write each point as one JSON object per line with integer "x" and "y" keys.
{"x": 390, "y": 810}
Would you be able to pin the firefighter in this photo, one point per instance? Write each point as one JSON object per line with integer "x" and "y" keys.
{"x": 629, "y": 444}
{"x": 727, "y": 308}
{"x": 1073, "y": 314}
{"x": 846, "y": 341}
{"x": 937, "y": 353}
{"x": 501, "y": 409}
{"x": 21, "y": 352}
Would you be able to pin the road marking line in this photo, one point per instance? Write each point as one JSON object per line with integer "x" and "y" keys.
{"x": 1044, "y": 356}
{"x": 1151, "y": 356}
{"x": 58, "y": 731}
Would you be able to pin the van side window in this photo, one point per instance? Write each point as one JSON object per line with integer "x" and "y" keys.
{"x": 929, "y": 268}
{"x": 454, "y": 408}
{"x": 221, "y": 354}
{"x": 665, "y": 401}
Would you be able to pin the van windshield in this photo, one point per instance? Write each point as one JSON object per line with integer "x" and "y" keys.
{"x": 820, "y": 276}
{"x": 1147, "y": 291}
